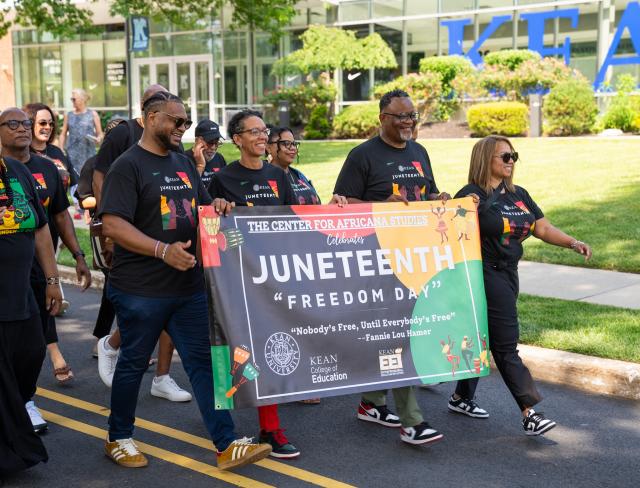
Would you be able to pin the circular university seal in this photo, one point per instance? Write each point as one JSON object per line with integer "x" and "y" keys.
{"x": 282, "y": 353}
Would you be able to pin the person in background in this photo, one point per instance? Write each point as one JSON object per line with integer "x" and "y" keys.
{"x": 507, "y": 216}
{"x": 204, "y": 153}
{"x": 84, "y": 193}
{"x": 81, "y": 132}
{"x": 121, "y": 138}
{"x": 24, "y": 236}
{"x": 392, "y": 167}
{"x": 155, "y": 283}
{"x": 251, "y": 181}
{"x": 48, "y": 184}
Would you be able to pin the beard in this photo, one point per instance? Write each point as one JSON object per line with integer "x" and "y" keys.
{"x": 166, "y": 142}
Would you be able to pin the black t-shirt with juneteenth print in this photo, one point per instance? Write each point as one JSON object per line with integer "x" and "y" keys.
{"x": 50, "y": 190}
{"x": 303, "y": 189}
{"x": 252, "y": 187}
{"x": 159, "y": 195}
{"x": 211, "y": 167}
{"x": 505, "y": 222}
{"x": 17, "y": 243}
{"x": 68, "y": 174}
{"x": 374, "y": 170}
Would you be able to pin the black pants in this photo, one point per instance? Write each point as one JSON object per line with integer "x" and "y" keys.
{"x": 501, "y": 287}
{"x": 39, "y": 287}
{"x": 106, "y": 314}
{"x": 22, "y": 350}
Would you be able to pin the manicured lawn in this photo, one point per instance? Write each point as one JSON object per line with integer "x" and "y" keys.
{"x": 584, "y": 328}
{"x": 83, "y": 238}
{"x": 588, "y": 187}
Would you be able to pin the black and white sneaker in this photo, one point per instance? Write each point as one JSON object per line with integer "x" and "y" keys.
{"x": 420, "y": 434}
{"x": 379, "y": 415}
{"x": 535, "y": 423}
{"x": 467, "y": 407}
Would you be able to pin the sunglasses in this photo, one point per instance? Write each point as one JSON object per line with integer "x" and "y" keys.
{"x": 508, "y": 156}
{"x": 179, "y": 121}
{"x": 288, "y": 144}
{"x": 14, "y": 124}
{"x": 45, "y": 123}
{"x": 413, "y": 116}
{"x": 256, "y": 132}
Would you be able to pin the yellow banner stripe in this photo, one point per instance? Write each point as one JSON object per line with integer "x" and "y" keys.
{"x": 279, "y": 467}
{"x": 170, "y": 457}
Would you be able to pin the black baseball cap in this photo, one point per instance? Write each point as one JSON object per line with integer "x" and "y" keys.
{"x": 208, "y": 130}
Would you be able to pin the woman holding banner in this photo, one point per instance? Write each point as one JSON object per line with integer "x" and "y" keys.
{"x": 507, "y": 216}
{"x": 250, "y": 181}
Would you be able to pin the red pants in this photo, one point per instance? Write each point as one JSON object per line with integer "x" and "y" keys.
{"x": 268, "y": 418}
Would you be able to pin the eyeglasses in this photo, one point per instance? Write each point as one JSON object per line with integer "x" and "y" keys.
{"x": 256, "y": 132}
{"x": 14, "y": 124}
{"x": 179, "y": 121}
{"x": 45, "y": 123}
{"x": 413, "y": 116}
{"x": 507, "y": 156}
{"x": 216, "y": 143}
{"x": 287, "y": 144}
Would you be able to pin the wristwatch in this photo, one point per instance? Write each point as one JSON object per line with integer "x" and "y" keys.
{"x": 53, "y": 280}
{"x": 78, "y": 253}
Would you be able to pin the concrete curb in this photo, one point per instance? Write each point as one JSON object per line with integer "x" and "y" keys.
{"x": 586, "y": 373}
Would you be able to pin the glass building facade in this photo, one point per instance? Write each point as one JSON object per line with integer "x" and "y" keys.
{"x": 217, "y": 70}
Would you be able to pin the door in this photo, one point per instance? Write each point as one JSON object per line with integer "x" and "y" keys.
{"x": 189, "y": 77}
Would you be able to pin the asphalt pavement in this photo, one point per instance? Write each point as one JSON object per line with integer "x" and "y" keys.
{"x": 596, "y": 443}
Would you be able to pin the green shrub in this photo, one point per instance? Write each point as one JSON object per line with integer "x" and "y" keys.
{"x": 319, "y": 126}
{"x": 530, "y": 76}
{"x": 570, "y": 109}
{"x": 357, "y": 121}
{"x": 302, "y": 100}
{"x": 510, "y": 58}
{"x": 448, "y": 67}
{"x": 423, "y": 88}
{"x": 505, "y": 118}
{"x": 624, "y": 112}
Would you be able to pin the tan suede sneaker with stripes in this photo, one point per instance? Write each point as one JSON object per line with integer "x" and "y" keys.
{"x": 242, "y": 452}
{"x": 125, "y": 452}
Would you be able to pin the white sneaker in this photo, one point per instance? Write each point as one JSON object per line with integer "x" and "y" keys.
{"x": 39, "y": 424}
{"x": 107, "y": 360}
{"x": 164, "y": 387}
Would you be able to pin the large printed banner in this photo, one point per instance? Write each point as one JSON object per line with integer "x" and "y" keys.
{"x": 312, "y": 301}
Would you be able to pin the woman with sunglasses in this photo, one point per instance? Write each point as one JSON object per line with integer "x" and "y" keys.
{"x": 507, "y": 215}
{"x": 251, "y": 181}
{"x": 44, "y": 133}
{"x": 81, "y": 132}
{"x": 282, "y": 149}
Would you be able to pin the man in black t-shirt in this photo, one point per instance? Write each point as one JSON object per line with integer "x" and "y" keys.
{"x": 204, "y": 153}
{"x": 116, "y": 142}
{"x": 149, "y": 208}
{"x": 392, "y": 167}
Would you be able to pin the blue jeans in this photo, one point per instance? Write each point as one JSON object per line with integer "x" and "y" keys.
{"x": 141, "y": 320}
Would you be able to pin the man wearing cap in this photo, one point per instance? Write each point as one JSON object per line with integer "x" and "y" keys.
{"x": 204, "y": 153}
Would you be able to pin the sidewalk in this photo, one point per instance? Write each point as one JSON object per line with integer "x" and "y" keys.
{"x": 587, "y": 373}
{"x": 580, "y": 284}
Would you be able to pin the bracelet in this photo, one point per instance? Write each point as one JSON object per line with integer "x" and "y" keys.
{"x": 164, "y": 251}
{"x": 77, "y": 254}
{"x": 155, "y": 249}
{"x": 575, "y": 244}
{"x": 53, "y": 280}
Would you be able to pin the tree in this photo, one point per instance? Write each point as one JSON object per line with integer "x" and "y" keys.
{"x": 65, "y": 19}
{"x": 331, "y": 48}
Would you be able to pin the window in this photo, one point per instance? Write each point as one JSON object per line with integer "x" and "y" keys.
{"x": 422, "y": 41}
{"x": 352, "y": 11}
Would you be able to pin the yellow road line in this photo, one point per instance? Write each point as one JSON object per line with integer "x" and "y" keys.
{"x": 170, "y": 457}
{"x": 195, "y": 440}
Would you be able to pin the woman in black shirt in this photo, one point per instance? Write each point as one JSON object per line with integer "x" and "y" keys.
{"x": 250, "y": 181}
{"x": 282, "y": 149}
{"x": 507, "y": 216}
